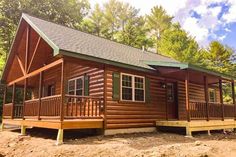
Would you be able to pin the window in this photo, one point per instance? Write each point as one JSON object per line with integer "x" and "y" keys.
{"x": 51, "y": 90}
{"x": 75, "y": 86}
{"x": 132, "y": 87}
{"x": 212, "y": 95}
{"x": 170, "y": 92}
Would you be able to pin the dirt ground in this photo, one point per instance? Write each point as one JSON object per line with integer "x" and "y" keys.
{"x": 41, "y": 142}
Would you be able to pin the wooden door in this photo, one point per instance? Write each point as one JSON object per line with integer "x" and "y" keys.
{"x": 172, "y": 103}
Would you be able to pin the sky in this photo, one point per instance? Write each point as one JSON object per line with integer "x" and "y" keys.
{"x": 206, "y": 20}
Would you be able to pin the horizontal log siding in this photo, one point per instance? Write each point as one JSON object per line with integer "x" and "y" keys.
{"x": 130, "y": 115}
{"x": 181, "y": 101}
{"x": 95, "y": 72}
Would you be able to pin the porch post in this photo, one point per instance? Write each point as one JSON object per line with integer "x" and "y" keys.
{"x": 40, "y": 93}
{"x": 233, "y": 97}
{"x": 187, "y": 95}
{"x": 167, "y": 110}
{"x": 206, "y": 96}
{"x": 62, "y": 90}
{"x": 13, "y": 100}
{"x": 24, "y": 97}
{"x": 4, "y": 100}
{"x": 221, "y": 99}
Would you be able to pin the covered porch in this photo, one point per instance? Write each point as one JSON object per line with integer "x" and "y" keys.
{"x": 202, "y": 105}
{"x": 28, "y": 102}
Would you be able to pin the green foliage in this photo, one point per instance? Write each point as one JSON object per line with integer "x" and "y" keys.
{"x": 176, "y": 44}
{"x": 65, "y": 12}
{"x": 219, "y": 58}
{"x": 157, "y": 22}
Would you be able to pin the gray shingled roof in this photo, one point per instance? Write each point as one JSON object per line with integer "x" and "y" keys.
{"x": 83, "y": 43}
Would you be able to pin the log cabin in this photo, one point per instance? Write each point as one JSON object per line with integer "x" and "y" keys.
{"x": 61, "y": 78}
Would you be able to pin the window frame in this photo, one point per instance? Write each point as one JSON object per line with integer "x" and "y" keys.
{"x": 75, "y": 89}
{"x": 133, "y": 87}
{"x": 212, "y": 90}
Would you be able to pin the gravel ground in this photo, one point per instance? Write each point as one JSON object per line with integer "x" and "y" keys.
{"x": 41, "y": 142}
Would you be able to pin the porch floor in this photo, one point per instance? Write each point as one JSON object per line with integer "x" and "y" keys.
{"x": 57, "y": 124}
{"x": 199, "y": 125}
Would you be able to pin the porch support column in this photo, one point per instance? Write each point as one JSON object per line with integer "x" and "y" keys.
{"x": 13, "y": 100}
{"x": 187, "y": 95}
{"x": 24, "y": 97}
{"x": 4, "y": 100}
{"x": 167, "y": 110}
{"x": 206, "y": 97}
{"x": 233, "y": 97}
{"x": 221, "y": 99}
{"x": 62, "y": 90}
{"x": 40, "y": 93}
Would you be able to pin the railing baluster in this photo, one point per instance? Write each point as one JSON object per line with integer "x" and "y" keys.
{"x": 85, "y": 103}
{"x": 88, "y": 106}
{"x": 92, "y": 106}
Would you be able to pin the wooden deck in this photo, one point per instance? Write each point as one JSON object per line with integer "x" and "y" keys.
{"x": 199, "y": 125}
{"x": 57, "y": 124}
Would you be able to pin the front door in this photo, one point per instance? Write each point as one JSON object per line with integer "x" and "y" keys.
{"x": 172, "y": 103}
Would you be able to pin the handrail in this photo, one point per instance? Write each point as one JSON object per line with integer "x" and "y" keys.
{"x": 8, "y": 104}
{"x": 53, "y": 96}
{"x": 88, "y": 97}
{"x": 31, "y": 100}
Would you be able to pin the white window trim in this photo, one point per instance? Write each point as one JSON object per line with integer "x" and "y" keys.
{"x": 74, "y": 79}
{"x": 133, "y": 87}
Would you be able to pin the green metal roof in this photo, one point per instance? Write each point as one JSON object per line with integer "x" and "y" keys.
{"x": 188, "y": 66}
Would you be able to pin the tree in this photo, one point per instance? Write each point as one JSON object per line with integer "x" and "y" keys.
{"x": 66, "y": 12}
{"x": 134, "y": 34}
{"x": 158, "y": 21}
{"x": 97, "y": 18}
{"x": 219, "y": 58}
{"x": 111, "y": 22}
{"x": 177, "y": 44}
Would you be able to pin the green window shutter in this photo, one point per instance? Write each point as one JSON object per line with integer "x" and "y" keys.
{"x": 86, "y": 85}
{"x": 116, "y": 86}
{"x": 147, "y": 90}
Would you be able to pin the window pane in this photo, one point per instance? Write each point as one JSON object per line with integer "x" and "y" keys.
{"x": 126, "y": 93}
{"x": 138, "y": 82}
{"x": 71, "y": 93}
{"x": 139, "y": 95}
{"x": 170, "y": 92}
{"x": 126, "y": 81}
{"x": 79, "y": 92}
{"x": 79, "y": 83}
{"x": 72, "y": 85}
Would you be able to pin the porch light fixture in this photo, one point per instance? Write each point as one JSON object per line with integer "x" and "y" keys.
{"x": 163, "y": 85}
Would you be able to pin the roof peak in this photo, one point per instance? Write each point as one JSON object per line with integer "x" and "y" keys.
{"x": 139, "y": 49}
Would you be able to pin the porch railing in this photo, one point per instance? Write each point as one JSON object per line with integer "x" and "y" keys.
{"x": 49, "y": 107}
{"x": 198, "y": 110}
{"x": 83, "y": 106}
{"x": 7, "y": 110}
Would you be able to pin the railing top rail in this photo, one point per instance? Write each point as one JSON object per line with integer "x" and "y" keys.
{"x": 32, "y": 100}
{"x": 196, "y": 101}
{"x": 48, "y": 97}
{"x": 88, "y": 97}
{"x": 8, "y": 104}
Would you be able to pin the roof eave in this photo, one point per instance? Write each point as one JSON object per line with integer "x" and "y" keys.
{"x": 104, "y": 61}
{"x": 189, "y": 66}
